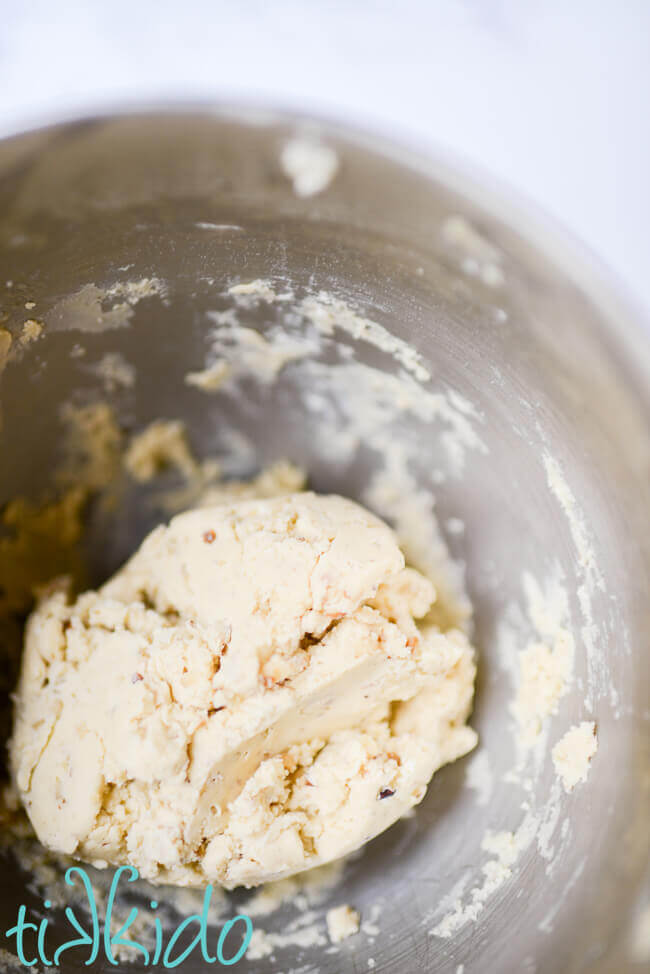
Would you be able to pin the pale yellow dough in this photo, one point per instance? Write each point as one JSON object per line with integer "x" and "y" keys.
{"x": 248, "y": 697}
{"x": 342, "y": 922}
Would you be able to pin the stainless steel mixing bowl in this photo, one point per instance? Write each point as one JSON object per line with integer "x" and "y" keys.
{"x": 543, "y": 347}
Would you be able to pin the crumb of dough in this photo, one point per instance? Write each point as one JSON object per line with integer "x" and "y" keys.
{"x": 32, "y": 330}
{"x": 309, "y": 164}
{"x": 211, "y": 378}
{"x": 258, "y": 289}
{"x": 342, "y": 922}
{"x": 243, "y": 352}
{"x": 544, "y": 677}
{"x": 260, "y": 945}
{"x": 160, "y": 445}
{"x": 135, "y": 291}
{"x": 573, "y": 753}
{"x": 278, "y": 701}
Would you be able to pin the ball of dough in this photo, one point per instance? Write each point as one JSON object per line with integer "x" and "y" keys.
{"x": 249, "y": 696}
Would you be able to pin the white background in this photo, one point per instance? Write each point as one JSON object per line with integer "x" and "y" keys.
{"x": 550, "y": 96}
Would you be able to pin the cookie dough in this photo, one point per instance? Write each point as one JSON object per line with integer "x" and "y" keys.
{"x": 342, "y": 922}
{"x": 573, "y": 753}
{"x": 256, "y": 692}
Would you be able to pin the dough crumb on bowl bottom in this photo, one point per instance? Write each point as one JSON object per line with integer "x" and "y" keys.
{"x": 342, "y": 922}
{"x": 259, "y": 690}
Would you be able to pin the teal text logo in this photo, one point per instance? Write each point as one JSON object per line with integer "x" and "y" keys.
{"x": 31, "y": 938}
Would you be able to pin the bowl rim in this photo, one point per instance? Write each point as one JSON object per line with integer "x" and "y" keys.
{"x": 623, "y": 314}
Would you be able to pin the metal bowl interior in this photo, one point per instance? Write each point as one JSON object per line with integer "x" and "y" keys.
{"x": 553, "y": 365}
